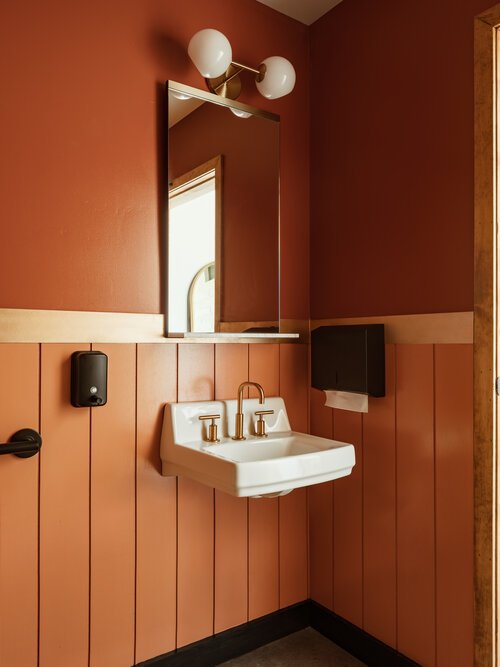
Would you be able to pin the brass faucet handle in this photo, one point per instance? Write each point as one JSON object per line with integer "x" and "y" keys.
{"x": 261, "y": 424}
{"x": 212, "y": 428}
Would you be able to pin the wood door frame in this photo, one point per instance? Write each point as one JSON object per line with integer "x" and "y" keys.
{"x": 486, "y": 93}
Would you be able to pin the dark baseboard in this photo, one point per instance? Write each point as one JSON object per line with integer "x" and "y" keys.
{"x": 354, "y": 640}
{"x": 250, "y": 636}
{"x": 237, "y": 641}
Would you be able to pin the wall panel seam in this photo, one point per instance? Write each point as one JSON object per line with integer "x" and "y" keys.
{"x": 136, "y": 545}
{"x": 435, "y": 503}
{"x": 396, "y": 490}
{"x": 39, "y": 498}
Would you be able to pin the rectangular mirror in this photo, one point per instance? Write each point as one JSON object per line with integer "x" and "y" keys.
{"x": 223, "y": 216}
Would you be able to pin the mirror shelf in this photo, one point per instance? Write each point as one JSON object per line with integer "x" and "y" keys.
{"x": 235, "y": 336}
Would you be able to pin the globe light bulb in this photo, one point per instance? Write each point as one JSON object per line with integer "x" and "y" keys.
{"x": 279, "y": 78}
{"x": 240, "y": 113}
{"x": 211, "y": 52}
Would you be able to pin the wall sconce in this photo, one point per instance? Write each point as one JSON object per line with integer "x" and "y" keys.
{"x": 212, "y": 54}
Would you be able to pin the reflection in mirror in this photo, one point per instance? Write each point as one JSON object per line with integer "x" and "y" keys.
{"x": 223, "y": 226}
{"x": 202, "y": 299}
{"x": 194, "y": 215}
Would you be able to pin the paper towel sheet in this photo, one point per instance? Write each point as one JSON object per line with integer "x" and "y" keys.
{"x": 346, "y": 400}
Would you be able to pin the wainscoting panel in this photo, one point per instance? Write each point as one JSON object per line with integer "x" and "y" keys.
{"x": 64, "y": 566}
{"x": 195, "y": 513}
{"x": 19, "y": 400}
{"x": 454, "y": 506}
{"x": 112, "y": 515}
{"x": 294, "y": 367}
{"x": 102, "y": 560}
{"x": 263, "y": 515}
{"x": 156, "y": 507}
{"x": 379, "y": 511}
{"x": 402, "y": 526}
{"x": 231, "y": 514}
{"x": 348, "y": 522}
{"x": 321, "y": 500}
{"x": 415, "y": 502}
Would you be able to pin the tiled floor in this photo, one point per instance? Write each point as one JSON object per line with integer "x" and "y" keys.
{"x": 306, "y": 648}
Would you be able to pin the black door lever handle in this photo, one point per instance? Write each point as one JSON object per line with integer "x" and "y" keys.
{"x": 23, "y": 443}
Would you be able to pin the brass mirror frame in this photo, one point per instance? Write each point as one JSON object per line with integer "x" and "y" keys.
{"x": 233, "y": 104}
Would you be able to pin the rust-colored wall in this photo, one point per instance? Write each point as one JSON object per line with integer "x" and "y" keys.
{"x": 123, "y": 562}
{"x": 78, "y": 167}
{"x": 392, "y": 158}
{"x": 250, "y": 203}
{"x": 391, "y": 546}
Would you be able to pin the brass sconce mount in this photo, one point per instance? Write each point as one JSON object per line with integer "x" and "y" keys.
{"x": 229, "y": 84}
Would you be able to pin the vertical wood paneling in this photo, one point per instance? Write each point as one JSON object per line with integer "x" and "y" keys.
{"x": 231, "y": 369}
{"x": 321, "y": 513}
{"x": 454, "y": 505}
{"x": 263, "y": 557}
{"x": 231, "y": 514}
{"x": 156, "y": 580}
{"x": 19, "y": 368}
{"x": 263, "y": 514}
{"x": 414, "y": 461}
{"x": 379, "y": 511}
{"x": 293, "y": 547}
{"x": 415, "y": 502}
{"x": 195, "y": 573}
{"x": 294, "y": 383}
{"x": 64, "y": 515}
{"x": 112, "y": 515}
{"x": 264, "y": 367}
{"x": 348, "y": 521}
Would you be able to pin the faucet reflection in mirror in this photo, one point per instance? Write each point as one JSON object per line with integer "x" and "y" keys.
{"x": 223, "y": 215}
{"x": 211, "y": 52}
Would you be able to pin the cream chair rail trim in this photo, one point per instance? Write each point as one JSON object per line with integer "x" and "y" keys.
{"x": 69, "y": 326}
{"x": 426, "y": 328}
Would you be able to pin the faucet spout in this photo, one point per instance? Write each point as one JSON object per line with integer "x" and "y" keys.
{"x": 238, "y": 428}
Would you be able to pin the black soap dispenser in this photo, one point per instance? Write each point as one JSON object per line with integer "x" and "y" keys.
{"x": 89, "y": 379}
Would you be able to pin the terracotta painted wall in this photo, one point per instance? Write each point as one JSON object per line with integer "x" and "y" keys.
{"x": 102, "y": 560}
{"x": 392, "y": 233}
{"x": 79, "y": 187}
{"x": 392, "y": 113}
{"x": 392, "y": 545}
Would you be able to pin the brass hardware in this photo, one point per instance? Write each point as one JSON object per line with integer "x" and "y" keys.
{"x": 212, "y": 428}
{"x": 229, "y": 84}
{"x": 248, "y": 68}
{"x": 261, "y": 424}
{"x": 238, "y": 425}
{"x": 261, "y": 73}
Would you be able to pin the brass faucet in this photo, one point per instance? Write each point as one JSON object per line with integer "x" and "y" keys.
{"x": 238, "y": 426}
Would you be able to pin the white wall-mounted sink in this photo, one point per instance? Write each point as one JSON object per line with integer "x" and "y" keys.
{"x": 283, "y": 461}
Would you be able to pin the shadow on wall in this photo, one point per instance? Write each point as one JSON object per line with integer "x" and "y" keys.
{"x": 168, "y": 53}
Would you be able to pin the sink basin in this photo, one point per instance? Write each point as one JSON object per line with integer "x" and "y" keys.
{"x": 257, "y": 466}
{"x": 265, "y": 449}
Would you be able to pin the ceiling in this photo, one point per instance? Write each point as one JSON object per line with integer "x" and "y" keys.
{"x": 305, "y": 11}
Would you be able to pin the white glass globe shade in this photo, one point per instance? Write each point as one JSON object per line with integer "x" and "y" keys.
{"x": 279, "y": 79}
{"x": 211, "y": 52}
{"x": 240, "y": 113}
{"x": 179, "y": 96}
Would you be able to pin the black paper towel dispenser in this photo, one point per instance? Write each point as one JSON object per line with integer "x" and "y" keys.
{"x": 349, "y": 358}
